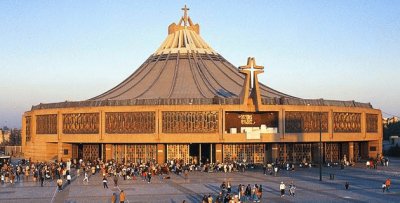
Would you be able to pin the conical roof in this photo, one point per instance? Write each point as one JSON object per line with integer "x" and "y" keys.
{"x": 186, "y": 70}
{"x": 184, "y": 66}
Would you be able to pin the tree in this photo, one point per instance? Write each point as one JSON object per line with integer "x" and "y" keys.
{"x": 390, "y": 130}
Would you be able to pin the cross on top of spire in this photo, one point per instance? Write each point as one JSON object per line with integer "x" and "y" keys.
{"x": 185, "y": 16}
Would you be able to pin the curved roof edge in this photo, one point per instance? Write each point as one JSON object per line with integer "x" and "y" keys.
{"x": 201, "y": 101}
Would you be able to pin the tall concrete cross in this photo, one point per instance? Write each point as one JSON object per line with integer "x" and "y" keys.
{"x": 251, "y": 68}
{"x": 185, "y": 16}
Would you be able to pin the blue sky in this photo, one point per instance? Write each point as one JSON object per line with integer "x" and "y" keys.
{"x": 52, "y": 51}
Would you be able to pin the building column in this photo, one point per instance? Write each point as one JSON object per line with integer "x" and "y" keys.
{"x": 351, "y": 152}
{"x": 218, "y": 153}
{"x": 274, "y": 152}
{"x": 200, "y": 154}
{"x": 108, "y": 153}
{"x": 281, "y": 125}
{"x": 161, "y": 153}
{"x": 102, "y": 152}
{"x": 59, "y": 150}
{"x": 125, "y": 154}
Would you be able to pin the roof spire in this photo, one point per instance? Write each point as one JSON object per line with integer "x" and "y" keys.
{"x": 185, "y": 16}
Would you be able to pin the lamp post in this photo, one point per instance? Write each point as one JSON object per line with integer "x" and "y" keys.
{"x": 320, "y": 146}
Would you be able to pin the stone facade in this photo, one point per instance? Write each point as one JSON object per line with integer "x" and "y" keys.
{"x": 54, "y": 146}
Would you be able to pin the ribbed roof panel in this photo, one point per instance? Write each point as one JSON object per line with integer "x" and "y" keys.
{"x": 184, "y": 76}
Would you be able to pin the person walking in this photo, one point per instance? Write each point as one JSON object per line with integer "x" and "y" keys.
{"x": 59, "y": 184}
{"x": 41, "y": 178}
{"x": 186, "y": 171}
{"x": 115, "y": 180}
{"x": 292, "y": 189}
{"x": 282, "y": 188}
{"x": 86, "y": 177}
{"x": 254, "y": 194}
{"x": 18, "y": 173}
{"x": 105, "y": 182}
{"x": 347, "y": 185}
{"x": 27, "y": 172}
{"x": 260, "y": 192}
{"x": 387, "y": 183}
{"x": 275, "y": 170}
{"x": 248, "y": 192}
{"x": 383, "y": 187}
{"x": 122, "y": 196}
{"x": 114, "y": 198}
{"x": 264, "y": 169}
{"x": 69, "y": 179}
{"x": 149, "y": 177}
{"x": 210, "y": 199}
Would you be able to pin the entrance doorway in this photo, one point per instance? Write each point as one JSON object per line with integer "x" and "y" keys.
{"x": 201, "y": 153}
{"x": 89, "y": 151}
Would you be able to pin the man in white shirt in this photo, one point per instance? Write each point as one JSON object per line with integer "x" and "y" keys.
{"x": 282, "y": 188}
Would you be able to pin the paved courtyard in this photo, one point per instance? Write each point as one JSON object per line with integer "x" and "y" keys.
{"x": 365, "y": 186}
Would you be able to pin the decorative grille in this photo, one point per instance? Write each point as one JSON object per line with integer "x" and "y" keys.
{"x": 282, "y": 153}
{"x": 130, "y": 122}
{"x": 295, "y": 153}
{"x": 248, "y": 153}
{"x": 190, "y": 122}
{"x": 372, "y": 123}
{"x": 345, "y": 122}
{"x": 178, "y": 151}
{"x": 81, "y": 123}
{"x": 357, "y": 151}
{"x": 91, "y": 152}
{"x": 332, "y": 152}
{"x": 28, "y": 128}
{"x": 305, "y": 121}
{"x": 119, "y": 153}
{"x": 301, "y": 153}
{"x": 141, "y": 153}
{"x": 46, "y": 124}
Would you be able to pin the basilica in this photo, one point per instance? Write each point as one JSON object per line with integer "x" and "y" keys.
{"x": 187, "y": 102}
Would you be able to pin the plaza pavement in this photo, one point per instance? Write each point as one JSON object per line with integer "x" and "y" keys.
{"x": 365, "y": 186}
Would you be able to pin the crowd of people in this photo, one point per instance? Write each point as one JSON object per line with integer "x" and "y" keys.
{"x": 60, "y": 172}
{"x": 39, "y": 172}
{"x": 373, "y": 163}
{"x": 243, "y": 194}
{"x": 249, "y": 193}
